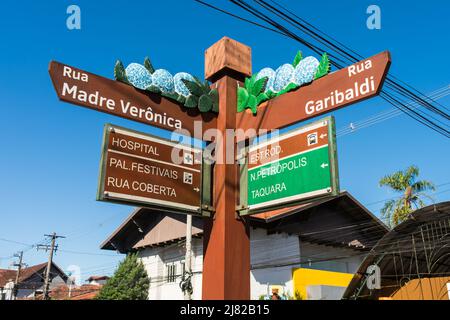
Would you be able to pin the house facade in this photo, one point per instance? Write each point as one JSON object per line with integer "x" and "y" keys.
{"x": 30, "y": 282}
{"x": 308, "y": 251}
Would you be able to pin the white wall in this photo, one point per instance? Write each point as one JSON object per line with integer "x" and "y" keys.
{"x": 155, "y": 261}
{"x": 272, "y": 257}
{"x": 331, "y": 258}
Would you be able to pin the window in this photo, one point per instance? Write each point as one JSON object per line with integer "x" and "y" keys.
{"x": 171, "y": 272}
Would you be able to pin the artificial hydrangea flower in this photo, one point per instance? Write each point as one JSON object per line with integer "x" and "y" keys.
{"x": 270, "y": 74}
{"x": 163, "y": 80}
{"x": 305, "y": 70}
{"x": 138, "y": 76}
{"x": 283, "y": 77}
{"x": 180, "y": 87}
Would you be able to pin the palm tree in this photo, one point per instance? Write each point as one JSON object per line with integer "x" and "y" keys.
{"x": 397, "y": 210}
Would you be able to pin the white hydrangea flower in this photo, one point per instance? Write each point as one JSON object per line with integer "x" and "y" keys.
{"x": 270, "y": 74}
{"x": 163, "y": 80}
{"x": 305, "y": 70}
{"x": 180, "y": 87}
{"x": 283, "y": 76}
{"x": 138, "y": 76}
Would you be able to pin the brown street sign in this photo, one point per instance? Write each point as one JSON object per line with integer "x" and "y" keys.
{"x": 355, "y": 83}
{"x": 114, "y": 97}
{"x": 140, "y": 169}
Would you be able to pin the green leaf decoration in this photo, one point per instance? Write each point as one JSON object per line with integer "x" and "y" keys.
{"x": 119, "y": 72}
{"x": 214, "y": 95}
{"x": 191, "y": 102}
{"x": 148, "y": 65}
{"x": 297, "y": 59}
{"x": 259, "y": 86}
{"x": 252, "y": 103}
{"x": 205, "y": 103}
{"x": 154, "y": 89}
{"x": 171, "y": 95}
{"x": 291, "y": 86}
{"x": 324, "y": 67}
{"x": 261, "y": 98}
{"x": 181, "y": 99}
{"x": 242, "y": 99}
{"x": 194, "y": 87}
{"x": 270, "y": 94}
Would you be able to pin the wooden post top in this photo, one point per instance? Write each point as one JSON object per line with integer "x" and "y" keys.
{"x": 230, "y": 57}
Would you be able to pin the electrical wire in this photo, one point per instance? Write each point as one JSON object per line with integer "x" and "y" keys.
{"x": 393, "y": 92}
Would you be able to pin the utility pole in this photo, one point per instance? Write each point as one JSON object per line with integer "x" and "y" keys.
{"x": 19, "y": 269}
{"x": 187, "y": 263}
{"x": 52, "y": 248}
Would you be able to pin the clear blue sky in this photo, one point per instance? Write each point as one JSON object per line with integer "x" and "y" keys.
{"x": 51, "y": 150}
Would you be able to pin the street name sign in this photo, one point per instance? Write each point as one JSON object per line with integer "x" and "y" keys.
{"x": 114, "y": 97}
{"x": 355, "y": 83}
{"x": 295, "y": 166}
{"x": 140, "y": 169}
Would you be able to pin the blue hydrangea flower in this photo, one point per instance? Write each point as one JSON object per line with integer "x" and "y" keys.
{"x": 305, "y": 70}
{"x": 267, "y": 72}
{"x": 163, "y": 80}
{"x": 180, "y": 87}
{"x": 138, "y": 76}
{"x": 283, "y": 76}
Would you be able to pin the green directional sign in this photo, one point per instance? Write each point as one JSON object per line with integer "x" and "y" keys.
{"x": 291, "y": 168}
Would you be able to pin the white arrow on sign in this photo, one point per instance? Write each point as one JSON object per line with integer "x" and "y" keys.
{"x": 323, "y": 135}
{"x": 197, "y": 189}
{"x": 323, "y": 165}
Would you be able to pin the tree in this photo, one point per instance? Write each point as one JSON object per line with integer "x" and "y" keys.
{"x": 396, "y": 211}
{"x": 129, "y": 282}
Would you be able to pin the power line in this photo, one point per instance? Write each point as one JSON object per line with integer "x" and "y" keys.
{"x": 389, "y": 114}
{"x": 392, "y": 93}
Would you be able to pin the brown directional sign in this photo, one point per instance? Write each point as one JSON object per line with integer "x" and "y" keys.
{"x": 105, "y": 95}
{"x": 355, "y": 83}
{"x": 139, "y": 169}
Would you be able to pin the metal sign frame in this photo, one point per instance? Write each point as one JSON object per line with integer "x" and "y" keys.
{"x": 203, "y": 207}
{"x": 245, "y": 209}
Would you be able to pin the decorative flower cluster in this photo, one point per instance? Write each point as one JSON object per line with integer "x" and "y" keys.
{"x": 183, "y": 87}
{"x": 287, "y": 77}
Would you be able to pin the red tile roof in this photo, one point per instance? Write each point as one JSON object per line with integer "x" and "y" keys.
{"x": 93, "y": 278}
{"x": 6, "y": 275}
{"x": 25, "y": 273}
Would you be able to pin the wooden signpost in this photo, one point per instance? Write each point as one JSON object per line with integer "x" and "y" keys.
{"x": 139, "y": 169}
{"x": 136, "y": 169}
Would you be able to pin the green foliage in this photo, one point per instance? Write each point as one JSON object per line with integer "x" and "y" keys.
{"x": 324, "y": 67}
{"x": 148, "y": 65}
{"x": 297, "y": 59}
{"x": 412, "y": 192}
{"x": 171, "y": 95}
{"x": 191, "y": 102}
{"x": 200, "y": 91}
{"x": 205, "y": 98}
{"x": 119, "y": 72}
{"x": 194, "y": 87}
{"x": 129, "y": 282}
{"x": 252, "y": 94}
{"x": 204, "y": 103}
{"x": 154, "y": 89}
{"x": 256, "y": 88}
{"x": 291, "y": 86}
